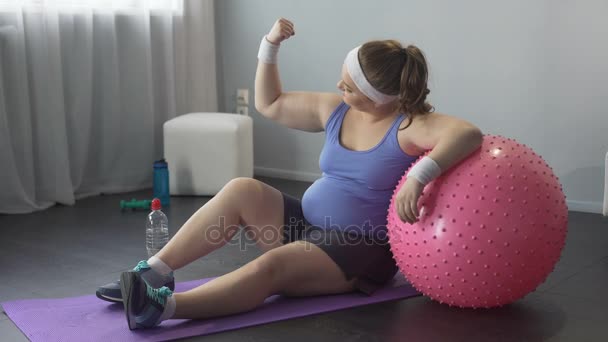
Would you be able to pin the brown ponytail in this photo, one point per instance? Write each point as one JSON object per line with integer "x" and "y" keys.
{"x": 394, "y": 70}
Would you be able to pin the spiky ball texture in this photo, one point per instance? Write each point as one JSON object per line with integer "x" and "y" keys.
{"x": 491, "y": 228}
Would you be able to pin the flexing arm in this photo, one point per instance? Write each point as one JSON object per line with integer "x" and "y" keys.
{"x": 307, "y": 111}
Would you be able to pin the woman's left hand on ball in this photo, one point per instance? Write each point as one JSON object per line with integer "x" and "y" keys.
{"x": 407, "y": 200}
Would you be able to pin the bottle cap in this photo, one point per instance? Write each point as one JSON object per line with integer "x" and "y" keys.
{"x": 156, "y": 204}
{"x": 160, "y": 164}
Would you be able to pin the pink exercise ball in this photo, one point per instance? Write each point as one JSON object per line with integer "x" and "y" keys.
{"x": 491, "y": 228}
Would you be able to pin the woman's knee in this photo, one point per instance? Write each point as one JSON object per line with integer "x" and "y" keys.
{"x": 244, "y": 190}
{"x": 271, "y": 266}
{"x": 260, "y": 208}
{"x": 239, "y": 191}
{"x": 240, "y": 184}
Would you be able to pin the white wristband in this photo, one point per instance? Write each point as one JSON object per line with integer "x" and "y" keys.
{"x": 425, "y": 170}
{"x": 268, "y": 52}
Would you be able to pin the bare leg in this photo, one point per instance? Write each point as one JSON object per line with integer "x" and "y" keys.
{"x": 243, "y": 201}
{"x": 274, "y": 272}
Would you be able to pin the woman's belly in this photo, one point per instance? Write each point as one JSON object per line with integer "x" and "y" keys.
{"x": 333, "y": 203}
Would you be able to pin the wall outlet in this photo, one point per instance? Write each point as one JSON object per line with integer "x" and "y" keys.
{"x": 242, "y": 97}
{"x": 242, "y": 109}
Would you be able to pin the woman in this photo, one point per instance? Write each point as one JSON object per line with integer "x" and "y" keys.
{"x": 333, "y": 241}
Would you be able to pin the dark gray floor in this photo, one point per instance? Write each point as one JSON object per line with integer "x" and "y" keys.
{"x": 68, "y": 251}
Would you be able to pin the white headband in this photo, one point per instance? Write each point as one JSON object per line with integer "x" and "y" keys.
{"x": 356, "y": 73}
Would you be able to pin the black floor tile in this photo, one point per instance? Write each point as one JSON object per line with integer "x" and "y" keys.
{"x": 590, "y": 284}
{"x": 10, "y": 332}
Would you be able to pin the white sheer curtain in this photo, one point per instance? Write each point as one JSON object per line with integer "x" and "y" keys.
{"x": 85, "y": 87}
{"x": 175, "y": 5}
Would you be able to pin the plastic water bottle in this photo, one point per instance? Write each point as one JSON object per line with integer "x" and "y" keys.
{"x": 157, "y": 229}
{"x": 161, "y": 182}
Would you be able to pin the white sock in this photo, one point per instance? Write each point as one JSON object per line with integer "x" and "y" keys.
{"x": 169, "y": 309}
{"x": 159, "y": 266}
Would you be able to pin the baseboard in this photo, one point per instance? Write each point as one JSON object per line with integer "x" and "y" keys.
{"x": 605, "y": 209}
{"x": 585, "y": 206}
{"x": 287, "y": 174}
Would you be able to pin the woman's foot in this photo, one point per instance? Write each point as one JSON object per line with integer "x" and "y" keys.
{"x": 145, "y": 306}
{"x": 111, "y": 292}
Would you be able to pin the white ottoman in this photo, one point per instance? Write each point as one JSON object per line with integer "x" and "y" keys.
{"x": 206, "y": 150}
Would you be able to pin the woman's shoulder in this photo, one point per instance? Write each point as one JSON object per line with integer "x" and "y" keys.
{"x": 418, "y": 136}
{"x": 430, "y": 119}
{"x": 426, "y": 129}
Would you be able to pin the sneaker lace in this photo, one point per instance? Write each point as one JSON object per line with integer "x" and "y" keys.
{"x": 159, "y": 295}
{"x": 141, "y": 265}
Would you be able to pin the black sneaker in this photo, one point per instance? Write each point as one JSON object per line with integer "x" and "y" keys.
{"x": 111, "y": 292}
{"x": 144, "y": 305}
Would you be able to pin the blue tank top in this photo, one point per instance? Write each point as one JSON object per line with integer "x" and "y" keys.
{"x": 356, "y": 187}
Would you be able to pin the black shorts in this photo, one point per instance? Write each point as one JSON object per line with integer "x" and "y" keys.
{"x": 366, "y": 258}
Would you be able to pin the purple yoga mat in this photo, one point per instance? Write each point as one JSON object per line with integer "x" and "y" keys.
{"x": 88, "y": 318}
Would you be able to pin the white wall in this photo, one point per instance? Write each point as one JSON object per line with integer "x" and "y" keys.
{"x": 535, "y": 71}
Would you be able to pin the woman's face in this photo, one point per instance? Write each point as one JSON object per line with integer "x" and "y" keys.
{"x": 351, "y": 95}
